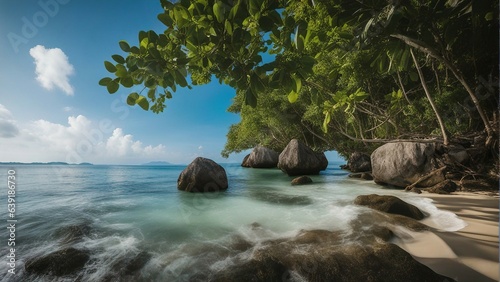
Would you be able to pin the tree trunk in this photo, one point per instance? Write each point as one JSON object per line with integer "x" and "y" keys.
{"x": 431, "y": 101}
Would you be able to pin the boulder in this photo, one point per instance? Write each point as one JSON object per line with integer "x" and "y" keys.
{"x": 63, "y": 262}
{"x": 245, "y": 162}
{"x": 302, "y": 180}
{"x": 261, "y": 157}
{"x": 389, "y": 204}
{"x": 445, "y": 187}
{"x": 203, "y": 175}
{"x": 401, "y": 164}
{"x": 359, "y": 162}
{"x": 298, "y": 159}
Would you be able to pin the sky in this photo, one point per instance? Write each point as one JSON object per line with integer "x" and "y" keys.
{"x": 52, "y": 108}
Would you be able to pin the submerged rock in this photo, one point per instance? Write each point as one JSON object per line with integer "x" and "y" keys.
{"x": 359, "y": 162}
{"x": 63, "y": 262}
{"x": 301, "y": 180}
{"x": 321, "y": 255}
{"x": 280, "y": 199}
{"x": 263, "y": 269}
{"x": 203, "y": 175}
{"x": 73, "y": 233}
{"x": 401, "y": 164}
{"x": 389, "y": 204}
{"x": 261, "y": 157}
{"x": 298, "y": 159}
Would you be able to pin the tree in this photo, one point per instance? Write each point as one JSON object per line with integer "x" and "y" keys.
{"x": 345, "y": 64}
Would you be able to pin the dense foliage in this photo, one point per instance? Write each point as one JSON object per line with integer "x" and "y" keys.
{"x": 338, "y": 74}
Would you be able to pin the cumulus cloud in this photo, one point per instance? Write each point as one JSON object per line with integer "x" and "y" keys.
{"x": 83, "y": 140}
{"x": 8, "y": 127}
{"x": 52, "y": 68}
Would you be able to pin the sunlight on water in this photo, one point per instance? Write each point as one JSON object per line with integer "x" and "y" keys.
{"x": 120, "y": 212}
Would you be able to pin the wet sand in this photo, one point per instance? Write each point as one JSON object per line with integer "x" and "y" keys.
{"x": 470, "y": 254}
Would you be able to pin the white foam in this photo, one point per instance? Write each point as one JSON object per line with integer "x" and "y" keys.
{"x": 440, "y": 219}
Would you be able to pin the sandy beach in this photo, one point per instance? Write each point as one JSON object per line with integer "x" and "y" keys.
{"x": 469, "y": 254}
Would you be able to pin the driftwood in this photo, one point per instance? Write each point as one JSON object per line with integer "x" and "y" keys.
{"x": 425, "y": 177}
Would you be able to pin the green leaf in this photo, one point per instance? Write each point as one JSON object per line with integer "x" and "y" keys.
{"x": 112, "y": 86}
{"x": 229, "y": 27}
{"x": 105, "y": 81}
{"x": 121, "y": 71}
{"x": 124, "y": 46}
{"x": 153, "y": 37}
{"x": 219, "y": 10}
{"x": 152, "y": 94}
{"x": 127, "y": 81}
{"x": 293, "y": 96}
{"x": 168, "y": 94}
{"x": 142, "y": 102}
{"x": 132, "y": 98}
{"x": 256, "y": 83}
{"x": 298, "y": 84}
{"x": 119, "y": 59}
{"x": 165, "y": 19}
{"x": 180, "y": 79}
{"x": 489, "y": 16}
{"x": 266, "y": 23}
{"x": 150, "y": 82}
{"x": 162, "y": 40}
{"x": 414, "y": 76}
{"x": 250, "y": 98}
{"x": 109, "y": 66}
{"x": 299, "y": 43}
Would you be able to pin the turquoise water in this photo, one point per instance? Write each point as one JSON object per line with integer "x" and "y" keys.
{"x": 126, "y": 210}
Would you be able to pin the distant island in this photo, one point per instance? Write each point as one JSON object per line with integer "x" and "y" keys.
{"x": 157, "y": 163}
{"x": 40, "y": 163}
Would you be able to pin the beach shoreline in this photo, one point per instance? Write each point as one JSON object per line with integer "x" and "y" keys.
{"x": 469, "y": 254}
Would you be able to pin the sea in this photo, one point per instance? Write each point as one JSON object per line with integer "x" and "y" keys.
{"x": 120, "y": 212}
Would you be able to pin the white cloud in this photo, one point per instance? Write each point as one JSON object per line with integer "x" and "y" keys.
{"x": 67, "y": 109}
{"x": 52, "y": 68}
{"x": 8, "y": 127}
{"x": 200, "y": 147}
{"x": 80, "y": 140}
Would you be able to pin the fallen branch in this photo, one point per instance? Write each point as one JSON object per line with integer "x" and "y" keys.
{"x": 425, "y": 177}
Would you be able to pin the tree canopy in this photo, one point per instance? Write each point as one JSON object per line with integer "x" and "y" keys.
{"x": 338, "y": 74}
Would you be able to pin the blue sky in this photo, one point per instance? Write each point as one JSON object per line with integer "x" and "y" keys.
{"x": 52, "y": 109}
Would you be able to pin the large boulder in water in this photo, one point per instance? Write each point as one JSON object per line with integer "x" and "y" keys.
{"x": 63, "y": 262}
{"x": 203, "y": 175}
{"x": 298, "y": 159}
{"x": 261, "y": 157}
{"x": 359, "y": 162}
{"x": 401, "y": 164}
{"x": 389, "y": 204}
